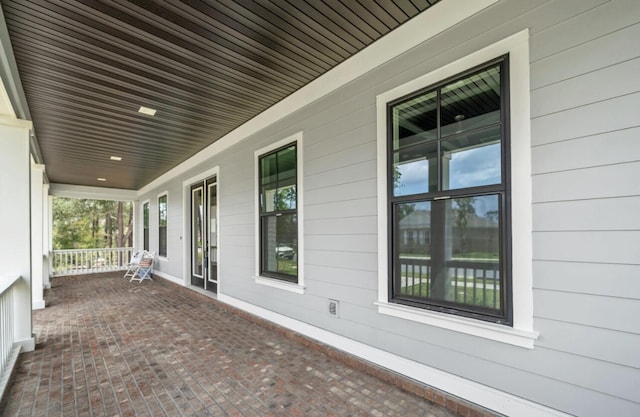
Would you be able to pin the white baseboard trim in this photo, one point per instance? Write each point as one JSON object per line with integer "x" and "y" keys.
{"x": 27, "y": 345}
{"x": 168, "y": 277}
{"x": 471, "y": 391}
{"x": 37, "y": 305}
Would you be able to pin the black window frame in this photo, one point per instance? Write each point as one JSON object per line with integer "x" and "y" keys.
{"x": 162, "y": 228}
{"x": 145, "y": 226}
{"x": 505, "y": 314}
{"x": 263, "y": 216}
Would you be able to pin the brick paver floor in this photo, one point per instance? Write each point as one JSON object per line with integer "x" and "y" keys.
{"x": 107, "y": 347}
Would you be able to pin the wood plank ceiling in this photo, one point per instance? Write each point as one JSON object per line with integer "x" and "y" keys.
{"x": 206, "y": 66}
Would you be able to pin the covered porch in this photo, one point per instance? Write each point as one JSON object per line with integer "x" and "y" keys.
{"x": 158, "y": 349}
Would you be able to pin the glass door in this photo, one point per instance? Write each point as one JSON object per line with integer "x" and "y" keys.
{"x": 204, "y": 234}
{"x": 197, "y": 235}
{"x": 212, "y": 234}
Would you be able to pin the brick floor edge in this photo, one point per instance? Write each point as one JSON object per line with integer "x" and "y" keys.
{"x": 455, "y": 404}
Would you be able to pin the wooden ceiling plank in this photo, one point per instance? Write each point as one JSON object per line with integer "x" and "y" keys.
{"x": 307, "y": 24}
{"x": 150, "y": 38}
{"x": 321, "y": 41}
{"x": 300, "y": 9}
{"x": 294, "y": 39}
{"x": 73, "y": 77}
{"x": 214, "y": 47}
{"x": 217, "y": 73}
{"x": 268, "y": 49}
{"x": 198, "y": 107}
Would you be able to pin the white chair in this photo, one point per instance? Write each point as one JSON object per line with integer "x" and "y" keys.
{"x": 145, "y": 267}
{"x": 136, "y": 257}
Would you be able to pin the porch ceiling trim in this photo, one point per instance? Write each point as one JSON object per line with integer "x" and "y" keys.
{"x": 91, "y": 193}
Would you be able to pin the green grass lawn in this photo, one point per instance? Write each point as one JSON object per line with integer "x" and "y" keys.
{"x": 287, "y": 266}
{"x": 483, "y": 298}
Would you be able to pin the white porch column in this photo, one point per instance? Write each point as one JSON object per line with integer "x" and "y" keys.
{"x": 47, "y": 216}
{"x": 15, "y": 238}
{"x": 37, "y": 236}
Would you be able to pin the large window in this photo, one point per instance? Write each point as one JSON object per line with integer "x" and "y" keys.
{"x": 162, "y": 225}
{"x": 448, "y": 196}
{"x": 145, "y": 226}
{"x": 278, "y": 213}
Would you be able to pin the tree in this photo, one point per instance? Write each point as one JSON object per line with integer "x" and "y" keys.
{"x": 84, "y": 224}
{"x": 463, "y": 214}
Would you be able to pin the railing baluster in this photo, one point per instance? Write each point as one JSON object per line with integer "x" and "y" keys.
{"x": 413, "y": 279}
{"x": 455, "y": 285}
{"x": 86, "y": 261}
{"x": 495, "y": 286}
{"x": 473, "y": 282}
{"x": 464, "y": 282}
{"x": 7, "y": 313}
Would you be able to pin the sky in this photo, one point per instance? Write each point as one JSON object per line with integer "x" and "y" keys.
{"x": 470, "y": 167}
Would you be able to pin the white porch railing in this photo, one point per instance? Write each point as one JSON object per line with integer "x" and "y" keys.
{"x": 8, "y": 349}
{"x": 88, "y": 261}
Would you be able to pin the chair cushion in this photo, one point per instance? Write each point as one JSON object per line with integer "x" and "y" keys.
{"x": 145, "y": 262}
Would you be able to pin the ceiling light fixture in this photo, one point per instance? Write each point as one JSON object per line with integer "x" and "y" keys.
{"x": 147, "y": 111}
{"x": 102, "y": 179}
{"x": 116, "y": 158}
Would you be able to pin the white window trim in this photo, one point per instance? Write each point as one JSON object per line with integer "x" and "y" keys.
{"x": 166, "y": 257}
{"x": 147, "y": 201}
{"x": 186, "y": 224}
{"x": 272, "y": 282}
{"x": 522, "y": 333}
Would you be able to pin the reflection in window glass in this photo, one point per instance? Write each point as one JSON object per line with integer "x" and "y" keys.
{"x": 449, "y": 251}
{"x": 278, "y": 215}
{"x": 415, "y": 169}
{"x": 162, "y": 225}
{"x": 145, "y": 226}
{"x": 280, "y": 245}
{"x": 415, "y": 121}
{"x": 449, "y": 197}
{"x": 471, "y": 102}
{"x": 472, "y": 160}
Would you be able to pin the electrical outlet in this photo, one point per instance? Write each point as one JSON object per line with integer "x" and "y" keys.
{"x": 334, "y": 308}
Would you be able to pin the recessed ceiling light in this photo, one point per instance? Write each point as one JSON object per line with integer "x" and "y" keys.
{"x": 102, "y": 179}
{"x": 116, "y": 158}
{"x": 147, "y": 110}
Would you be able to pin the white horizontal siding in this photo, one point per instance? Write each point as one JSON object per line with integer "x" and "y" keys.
{"x": 607, "y": 181}
{"x": 590, "y": 342}
{"x": 589, "y": 310}
{"x": 603, "y": 149}
{"x": 341, "y": 209}
{"x": 601, "y": 117}
{"x": 599, "y": 19}
{"x": 349, "y": 174}
{"x": 611, "y": 214}
{"x": 604, "y": 279}
{"x": 340, "y": 226}
{"x": 613, "y": 247}
{"x": 587, "y": 88}
{"x": 347, "y": 277}
{"x": 341, "y": 192}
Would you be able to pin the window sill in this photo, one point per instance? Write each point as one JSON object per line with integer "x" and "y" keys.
{"x": 499, "y": 333}
{"x": 276, "y": 283}
{"x": 163, "y": 258}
